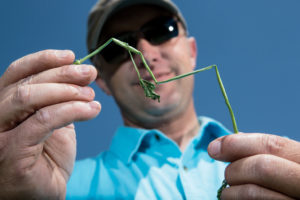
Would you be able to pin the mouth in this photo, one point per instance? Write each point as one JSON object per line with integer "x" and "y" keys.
{"x": 159, "y": 77}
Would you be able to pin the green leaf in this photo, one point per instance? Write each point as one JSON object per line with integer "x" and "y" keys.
{"x": 149, "y": 90}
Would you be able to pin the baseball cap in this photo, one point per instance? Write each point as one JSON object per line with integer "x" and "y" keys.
{"x": 104, "y": 9}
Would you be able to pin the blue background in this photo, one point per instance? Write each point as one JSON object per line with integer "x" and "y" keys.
{"x": 256, "y": 45}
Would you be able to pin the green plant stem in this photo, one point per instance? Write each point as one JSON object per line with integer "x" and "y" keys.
{"x": 123, "y": 44}
{"x": 235, "y": 128}
{"x": 224, "y": 183}
{"x": 221, "y": 87}
{"x": 149, "y": 87}
{"x": 133, "y": 50}
{"x": 223, "y": 186}
{"x": 135, "y": 67}
{"x": 184, "y": 75}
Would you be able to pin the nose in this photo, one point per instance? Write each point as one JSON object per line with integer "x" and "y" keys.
{"x": 150, "y": 52}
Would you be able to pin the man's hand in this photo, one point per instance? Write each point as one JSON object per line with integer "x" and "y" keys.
{"x": 262, "y": 166}
{"x": 40, "y": 96}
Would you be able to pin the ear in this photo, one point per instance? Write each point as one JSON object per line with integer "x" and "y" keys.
{"x": 193, "y": 50}
{"x": 103, "y": 85}
{"x": 100, "y": 81}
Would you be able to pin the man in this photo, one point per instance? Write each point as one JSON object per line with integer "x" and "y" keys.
{"x": 163, "y": 150}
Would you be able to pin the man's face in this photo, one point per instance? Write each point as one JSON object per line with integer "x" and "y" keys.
{"x": 171, "y": 58}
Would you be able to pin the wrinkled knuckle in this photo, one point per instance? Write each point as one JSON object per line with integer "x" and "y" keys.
{"x": 45, "y": 56}
{"x": 71, "y": 90}
{"x": 29, "y": 79}
{"x": 264, "y": 166}
{"x": 22, "y": 94}
{"x": 77, "y": 107}
{"x": 65, "y": 72}
{"x": 273, "y": 144}
{"x": 249, "y": 191}
{"x": 26, "y": 81}
{"x": 49, "y": 54}
{"x": 81, "y": 109}
{"x": 43, "y": 117}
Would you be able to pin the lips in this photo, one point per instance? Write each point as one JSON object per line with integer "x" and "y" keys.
{"x": 164, "y": 76}
{"x": 161, "y": 76}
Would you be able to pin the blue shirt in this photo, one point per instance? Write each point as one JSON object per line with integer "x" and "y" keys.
{"x": 145, "y": 164}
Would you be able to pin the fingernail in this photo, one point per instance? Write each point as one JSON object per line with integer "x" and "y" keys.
{"x": 62, "y": 53}
{"x": 86, "y": 91}
{"x": 83, "y": 69}
{"x": 94, "y": 104}
{"x": 215, "y": 148}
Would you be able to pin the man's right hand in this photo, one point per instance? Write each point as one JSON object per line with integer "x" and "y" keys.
{"x": 40, "y": 96}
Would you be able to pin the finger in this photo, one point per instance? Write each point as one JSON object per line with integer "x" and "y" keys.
{"x": 75, "y": 74}
{"x": 251, "y": 192}
{"x": 237, "y": 146}
{"x": 61, "y": 148}
{"x": 268, "y": 171}
{"x": 39, "y": 126}
{"x": 34, "y": 63}
{"x": 20, "y": 102}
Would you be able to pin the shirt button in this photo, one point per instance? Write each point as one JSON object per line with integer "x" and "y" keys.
{"x": 185, "y": 168}
{"x": 157, "y": 137}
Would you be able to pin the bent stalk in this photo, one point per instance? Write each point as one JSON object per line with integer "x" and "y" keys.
{"x": 150, "y": 87}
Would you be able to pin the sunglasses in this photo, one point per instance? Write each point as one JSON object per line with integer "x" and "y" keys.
{"x": 156, "y": 31}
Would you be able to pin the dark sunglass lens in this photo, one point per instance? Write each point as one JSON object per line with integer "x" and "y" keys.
{"x": 128, "y": 37}
{"x": 156, "y": 32}
{"x": 161, "y": 31}
{"x": 113, "y": 53}
{"x": 116, "y": 54}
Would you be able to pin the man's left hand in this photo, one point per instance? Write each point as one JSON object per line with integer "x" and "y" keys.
{"x": 262, "y": 166}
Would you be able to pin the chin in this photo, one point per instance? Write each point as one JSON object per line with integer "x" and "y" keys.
{"x": 167, "y": 104}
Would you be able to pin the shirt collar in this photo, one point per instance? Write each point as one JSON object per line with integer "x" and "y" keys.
{"x": 127, "y": 140}
{"x": 211, "y": 127}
